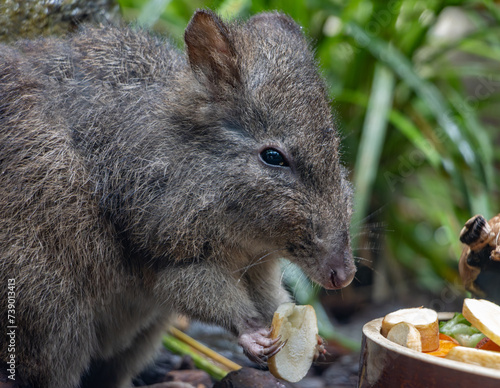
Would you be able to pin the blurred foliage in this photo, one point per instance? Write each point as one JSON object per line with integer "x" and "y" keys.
{"x": 416, "y": 88}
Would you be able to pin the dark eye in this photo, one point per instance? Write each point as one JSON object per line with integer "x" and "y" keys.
{"x": 273, "y": 157}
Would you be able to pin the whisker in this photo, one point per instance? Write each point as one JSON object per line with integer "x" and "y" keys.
{"x": 368, "y": 216}
{"x": 357, "y": 258}
{"x": 366, "y": 246}
{"x": 253, "y": 263}
{"x": 372, "y": 231}
{"x": 283, "y": 273}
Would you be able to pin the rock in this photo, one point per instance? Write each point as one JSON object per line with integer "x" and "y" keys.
{"x": 156, "y": 372}
{"x": 343, "y": 373}
{"x": 251, "y": 378}
{"x": 310, "y": 382}
{"x": 197, "y": 378}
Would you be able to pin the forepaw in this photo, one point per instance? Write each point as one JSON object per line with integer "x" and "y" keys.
{"x": 320, "y": 353}
{"x": 259, "y": 346}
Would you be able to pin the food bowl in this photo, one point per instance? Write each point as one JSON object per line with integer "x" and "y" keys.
{"x": 385, "y": 364}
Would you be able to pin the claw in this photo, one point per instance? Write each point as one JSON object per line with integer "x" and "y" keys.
{"x": 273, "y": 350}
{"x": 258, "y": 347}
{"x": 267, "y": 342}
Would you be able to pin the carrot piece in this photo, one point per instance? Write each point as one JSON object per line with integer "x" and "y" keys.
{"x": 445, "y": 337}
{"x": 487, "y": 344}
{"x": 444, "y": 347}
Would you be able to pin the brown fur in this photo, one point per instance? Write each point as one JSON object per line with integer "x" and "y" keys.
{"x": 131, "y": 186}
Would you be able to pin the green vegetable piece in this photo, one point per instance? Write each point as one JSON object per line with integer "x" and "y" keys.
{"x": 461, "y": 329}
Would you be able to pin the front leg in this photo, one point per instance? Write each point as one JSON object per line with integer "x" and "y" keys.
{"x": 211, "y": 292}
{"x": 265, "y": 288}
{"x": 268, "y": 293}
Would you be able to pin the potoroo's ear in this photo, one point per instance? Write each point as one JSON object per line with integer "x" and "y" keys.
{"x": 274, "y": 21}
{"x": 211, "y": 52}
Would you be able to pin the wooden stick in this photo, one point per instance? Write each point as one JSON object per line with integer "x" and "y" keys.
{"x": 204, "y": 349}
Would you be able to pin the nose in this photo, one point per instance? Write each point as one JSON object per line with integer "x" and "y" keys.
{"x": 342, "y": 270}
{"x": 341, "y": 263}
{"x": 341, "y": 277}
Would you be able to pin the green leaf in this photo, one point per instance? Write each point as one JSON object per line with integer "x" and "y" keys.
{"x": 231, "y": 9}
{"x": 427, "y": 91}
{"x": 415, "y": 136}
{"x": 151, "y": 12}
{"x": 372, "y": 138}
{"x": 403, "y": 124}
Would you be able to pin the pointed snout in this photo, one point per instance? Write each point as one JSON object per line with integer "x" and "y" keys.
{"x": 338, "y": 270}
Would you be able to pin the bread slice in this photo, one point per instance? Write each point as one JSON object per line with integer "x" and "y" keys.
{"x": 425, "y": 321}
{"x": 484, "y": 316}
{"x": 475, "y": 356}
{"x": 297, "y": 325}
{"x": 407, "y": 335}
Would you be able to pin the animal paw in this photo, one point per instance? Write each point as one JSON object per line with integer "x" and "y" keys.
{"x": 320, "y": 353}
{"x": 259, "y": 346}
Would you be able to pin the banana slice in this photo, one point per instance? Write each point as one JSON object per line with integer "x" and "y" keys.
{"x": 475, "y": 356}
{"x": 484, "y": 316}
{"x": 407, "y": 335}
{"x": 425, "y": 321}
{"x": 298, "y": 326}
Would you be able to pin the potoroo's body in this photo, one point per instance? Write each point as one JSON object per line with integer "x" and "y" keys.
{"x": 137, "y": 181}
